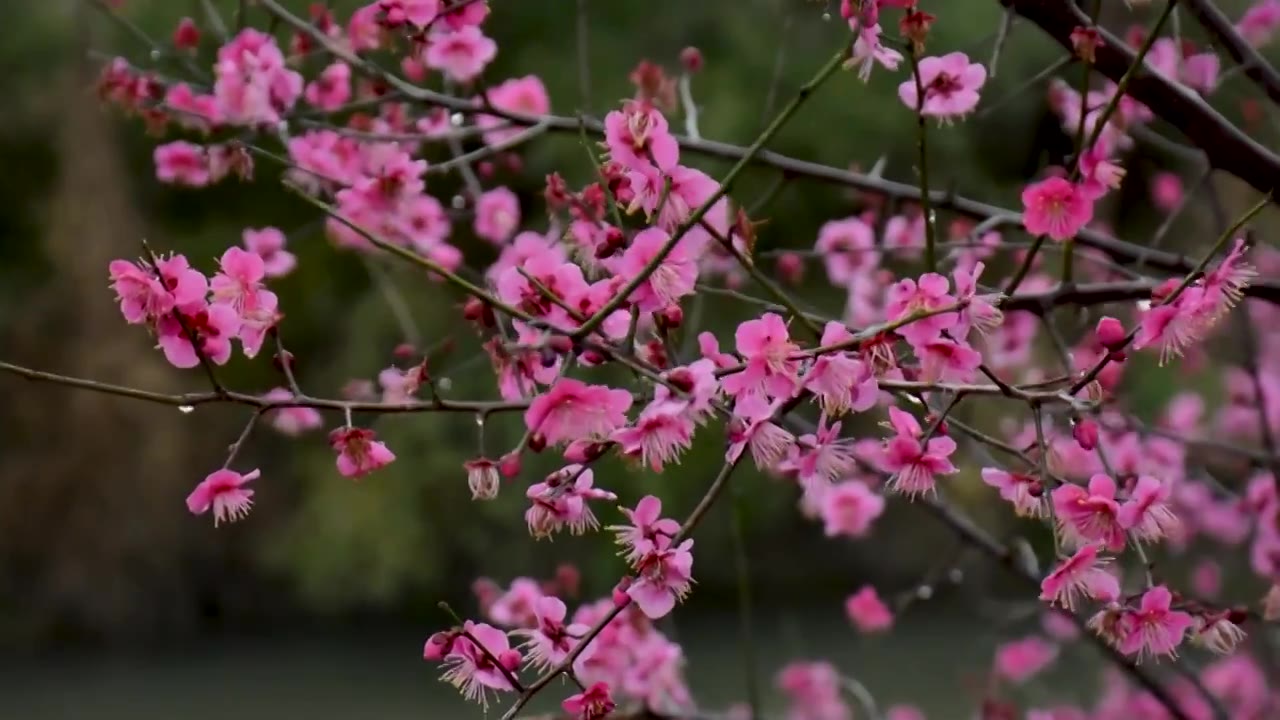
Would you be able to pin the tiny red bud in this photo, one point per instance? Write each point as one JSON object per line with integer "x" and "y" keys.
{"x": 485, "y": 168}
{"x": 186, "y": 36}
{"x": 1086, "y": 41}
{"x": 513, "y": 162}
{"x": 791, "y": 268}
{"x": 671, "y": 317}
{"x": 619, "y": 594}
{"x": 405, "y": 351}
{"x": 478, "y": 311}
{"x": 1110, "y": 333}
{"x": 691, "y": 59}
{"x": 537, "y": 442}
{"x": 1085, "y": 432}
{"x": 509, "y": 465}
{"x": 914, "y": 26}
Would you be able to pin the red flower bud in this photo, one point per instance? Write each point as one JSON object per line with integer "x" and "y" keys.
{"x": 186, "y": 36}
{"x": 1110, "y": 333}
{"x": 691, "y": 59}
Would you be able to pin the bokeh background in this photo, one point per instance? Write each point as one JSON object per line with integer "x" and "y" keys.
{"x": 115, "y": 602}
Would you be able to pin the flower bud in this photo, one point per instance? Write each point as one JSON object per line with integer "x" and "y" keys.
{"x": 1110, "y": 333}
{"x": 619, "y": 594}
{"x": 509, "y": 465}
{"x": 691, "y": 59}
{"x": 1085, "y": 432}
{"x": 186, "y": 36}
{"x": 791, "y": 268}
{"x": 437, "y": 646}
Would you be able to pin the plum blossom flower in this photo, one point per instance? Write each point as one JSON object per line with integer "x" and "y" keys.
{"x": 470, "y": 668}
{"x": 419, "y": 13}
{"x": 1056, "y": 207}
{"x": 182, "y": 163}
{"x": 1024, "y": 492}
{"x": 1090, "y": 515}
{"x": 146, "y": 294}
{"x": 1154, "y": 628}
{"x": 212, "y": 326}
{"x": 525, "y": 95}
{"x": 662, "y": 431}
{"x": 483, "y": 478}
{"x": 821, "y": 454}
{"x": 594, "y": 703}
{"x": 867, "y": 611}
{"x": 1081, "y": 575}
{"x": 560, "y": 501}
{"x": 462, "y": 54}
{"x": 946, "y": 360}
{"x": 849, "y": 508}
{"x": 813, "y": 692}
{"x": 253, "y": 85}
{"x": 1217, "y": 632}
{"x": 929, "y": 293}
{"x": 915, "y": 466}
{"x": 517, "y": 607}
{"x": 223, "y": 491}
{"x": 981, "y": 312}
{"x": 359, "y": 453}
{"x": 638, "y": 137}
{"x": 1020, "y": 660}
{"x": 766, "y": 346}
{"x": 572, "y": 410}
{"x": 1147, "y": 513}
{"x": 664, "y": 575}
{"x": 1098, "y": 174}
{"x": 291, "y": 420}
{"x": 332, "y": 89}
{"x": 238, "y": 284}
{"x": 839, "y": 381}
{"x": 848, "y": 249}
{"x": 268, "y": 244}
{"x": 1259, "y": 23}
{"x": 868, "y": 52}
{"x": 951, "y": 84}
{"x": 671, "y": 280}
{"x": 647, "y": 525}
{"x": 551, "y": 639}
{"x": 753, "y": 427}
{"x": 497, "y": 215}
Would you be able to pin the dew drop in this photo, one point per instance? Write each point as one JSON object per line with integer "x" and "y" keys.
{"x": 186, "y": 409}
{"x": 924, "y": 592}
{"x": 155, "y": 55}
{"x": 1144, "y": 305}
{"x": 456, "y": 119}
{"x": 479, "y": 420}
{"x": 956, "y": 576}
{"x": 445, "y": 384}
{"x": 458, "y": 202}
{"x": 826, "y": 17}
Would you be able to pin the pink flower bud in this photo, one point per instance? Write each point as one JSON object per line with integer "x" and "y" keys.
{"x": 1110, "y": 333}
{"x": 437, "y": 646}
{"x": 509, "y": 465}
{"x": 619, "y": 595}
{"x": 691, "y": 59}
{"x": 791, "y": 268}
{"x": 1085, "y": 432}
{"x": 186, "y": 36}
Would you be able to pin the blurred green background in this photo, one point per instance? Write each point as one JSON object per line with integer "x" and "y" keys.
{"x": 319, "y": 601}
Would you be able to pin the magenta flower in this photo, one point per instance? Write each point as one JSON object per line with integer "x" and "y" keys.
{"x": 821, "y": 454}
{"x": 951, "y": 84}
{"x": 663, "y": 430}
{"x": 848, "y": 249}
{"x": 253, "y": 84}
{"x": 594, "y": 703}
{"x": 1218, "y": 632}
{"x": 1098, "y": 174}
{"x": 268, "y": 244}
{"x": 517, "y": 607}
{"x": 223, "y": 491}
{"x": 470, "y": 669}
{"x": 947, "y": 361}
{"x": 332, "y": 89}
{"x": 1055, "y": 207}
{"x": 359, "y": 453}
{"x": 483, "y": 478}
{"x": 671, "y": 280}
{"x": 1259, "y": 23}
{"x": 572, "y": 410}
{"x": 418, "y": 13}
{"x": 699, "y": 383}
{"x": 981, "y": 312}
{"x": 1090, "y": 515}
{"x": 813, "y": 692}
{"x": 1153, "y": 629}
{"x": 766, "y": 346}
{"x": 239, "y": 285}
{"x": 213, "y": 328}
{"x": 525, "y": 95}
{"x": 647, "y": 525}
{"x": 1021, "y": 660}
{"x": 1081, "y": 575}
{"x": 288, "y": 420}
{"x": 1146, "y": 513}
{"x": 1024, "y": 492}
{"x": 867, "y": 611}
{"x": 664, "y": 575}
{"x": 849, "y": 508}
{"x": 182, "y": 163}
{"x": 907, "y": 297}
{"x": 915, "y": 466}
{"x": 752, "y": 426}
{"x": 560, "y": 501}
{"x": 839, "y": 381}
{"x": 638, "y": 137}
{"x": 551, "y": 640}
{"x": 497, "y": 215}
{"x": 462, "y": 54}
{"x": 145, "y": 297}
{"x": 689, "y": 190}
{"x": 868, "y": 52}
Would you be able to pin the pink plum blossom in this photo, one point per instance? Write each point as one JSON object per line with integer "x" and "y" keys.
{"x": 915, "y": 466}
{"x": 268, "y": 244}
{"x": 1147, "y": 513}
{"x": 672, "y": 279}
{"x": 359, "y": 453}
{"x": 594, "y": 703}
{"x": 497, "y": 215}
{"x": 524, "y": 95}
{"x": 766, "y": 346}
{"x": 572, "y": 410}
{"x": 551, "y": 639}
{"x": 662, "y": 431}
{"x": 472, "y": 669}
{"x": 647, "y": 526}
{"x": 332, "y": 89}
{"x": 1056, "y": 207}
{"x": 182, "y": 163}
{"x": 908, "y": 297}
{"x": 560, "y": 501}
{"x": 1081, "y": 575}
{"x": 1020, "y": 660}
{"x": 1090, "y": 515}
{"x": 223, "y": 491}
{"x": 291, "y": 420}
{"x": 867, "y": 611}
{"x": 1024, "y": 492}
{"x": 849, "y": 508}
{"x": 664, "y": 575}
{"x": 461, "y": 54}
{"x": 951, "y": 84}
{"x": 1154, "y": 628}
